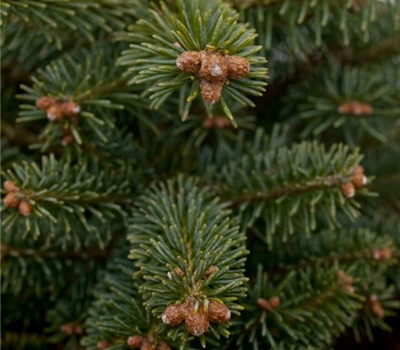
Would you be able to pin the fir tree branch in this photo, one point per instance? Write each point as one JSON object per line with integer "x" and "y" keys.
{"x": 70, "y": 202}
{"x": 284, "y": 187}
{"x": 206, "y": 30}
{"x": 175, "y": 265}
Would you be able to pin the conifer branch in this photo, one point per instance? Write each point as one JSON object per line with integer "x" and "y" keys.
{"x": 175, "y": 234}
{"x": 118, "y": 319}
{"x": 53, "y": 18}
{"x": 201, "y": 48}
{"x": 79, "y": 101}
{"x": 284, "y": 187}
{"x": 80, "y": 199}
{"x": 357, "y": 103}
{"x": 278, "y": 320}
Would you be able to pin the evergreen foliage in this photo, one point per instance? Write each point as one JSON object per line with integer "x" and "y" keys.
{"x": 158, "y": 195}
{"x": 158, "y": 41}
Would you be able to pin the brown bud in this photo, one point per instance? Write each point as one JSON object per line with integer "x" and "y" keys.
{"x": 359, "y": 170}
{"x": 25, "y": 208}
{"x": 12, "y": 200}
{"x": 376, "y": 306}
{"x": 386, "y": 253}
{"x": 209, "y": 271}
{"x": 147, "y": 344}
{"x": 348, "y": 288}
{"x": 208, "y": 123}
{"x": 135, "y": 342}
{"x": 210, "y": 91}
{"x": 348, "y": 189}
{"x": 359, "y": 179}
{"x": 264, "y": 304}
{"x": 103, "y": 344}
{"x": 346, "y": 108}
{"x": 274, "y": 302}
{"x": 214, "y": 67}
{"x": 45, "y": 102}
{"x": 217, "y": 123}
{"x": 9, "y": 186}
{"x": 376, "y": 254}
{"x": 70, "y": 108}
{"x": 197, "y": 321}
{"x": 54, "y": 112}
{"x": 163, "y": 346}
{"x": 68, "y": 329}
{"x": 67, "y": 140}
{"x": 358, "y": 108}
{"x": 218, "y": 313}
{"x": 367, "y": 109}
{"x": 345, "y": 281}
{"x": 174, "y": 314}
{"x": 222, "y": 122}
{"x": 344, "y": 278}
{"x": 238, "y": 67}
{"x": 382, "y": 254}
{"x": 179, "y": 272}
{"x": 78, "y": 329}
{"x": 189, "y": 62}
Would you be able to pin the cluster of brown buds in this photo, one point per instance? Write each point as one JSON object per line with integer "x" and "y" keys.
{"x": 146, "y": 343}
{"x": 218, "y": 122}
{"x": 382, "y": 254}
{"x": 213, "y": 69}
{"x": 15, "y": 198}
{"x": 358, "y": 180}
{"x": 345, "y": 281}
{"x": 355, "y": 108}
{"x": 57, "y": 110}
{"x": 269, "y": 304}
{"x": 196, "y": 315}
{"x": 376, "y": 306}
{"x": 71, "y": 329}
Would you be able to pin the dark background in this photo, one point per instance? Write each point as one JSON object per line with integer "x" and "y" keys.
{"x": 383, "y": 340}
